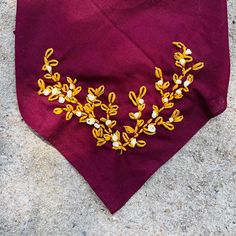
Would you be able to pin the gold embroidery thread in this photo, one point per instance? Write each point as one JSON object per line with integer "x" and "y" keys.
{"x": 104, "y": 127}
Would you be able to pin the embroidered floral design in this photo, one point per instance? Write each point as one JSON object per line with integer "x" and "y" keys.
{"x": 103, "y": 128}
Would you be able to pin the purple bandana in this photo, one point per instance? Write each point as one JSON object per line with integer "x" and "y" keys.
{"x": 118, "y": 87}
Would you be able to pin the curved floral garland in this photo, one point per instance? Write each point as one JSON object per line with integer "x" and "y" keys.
{"x": 104, "y": 127}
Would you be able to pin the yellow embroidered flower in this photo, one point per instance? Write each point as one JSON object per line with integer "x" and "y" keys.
{"x": 132, "y": 142}
{"x": 175, "y": 117}
{"x": 177, "y": 80}
{"x": 88, "y": 115}
{"x": 138, "y": 101}
{"x": 70, "y": 91}
{"x": 150, "y": 129}
{"x": 166, "y": 98}
{"x": 110, "y": 109}
{"x": 78, "y": 111}
{"x": 160, "y": 85}
{"x": 182, "y": 58}
{"x": 94, "y": 94}
{"x": 109, "y": 123}
{"x": 49, "y": 64}
{"x": 69, "y": 109}
{"x": 135, "y": 116}
{"x": 116, "y": 143}
{"x": 55, "y": 77}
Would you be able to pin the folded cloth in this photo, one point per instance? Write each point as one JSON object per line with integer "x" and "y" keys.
{"x": 118, "y": 87}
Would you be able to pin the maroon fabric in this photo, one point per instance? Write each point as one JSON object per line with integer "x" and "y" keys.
{"x": 118, "y": 43}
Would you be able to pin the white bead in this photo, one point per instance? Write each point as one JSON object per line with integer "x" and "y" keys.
{"x": 114, "y": 137}
{"x": 151, "y": 128}
{"x": 69, "y": 93}
{"x": 49, "y": 68}
{"x": 141, "y": 101}
{"x": 178, "y": 81}
{"x": 79, "y": 113}
{"x": 188, "y": 52}
{"x": 154, "y": 114}
{"x": 115, "y": 144}
{"x": 165, "y": 100}
{"x": 61, "y": 99}
{"x": 186, "y": 83}
{"x": 46, "y": 92}
{"x": 108, "y": 122}
{"x": 55, "y": 91}
{"x": 136, "y": 115}
{"x": 91, "y": 97}
{"x": 133, "y": 142}
{"x": 182, "y": 61}
{"x": 90, "y": 121}
{"x": 159, "y": 82}
{"x": 178, "y": 91}
{"x": 171, "y": 119}
{"x": 96, "y": 125}
{"x": 72, "y": 86}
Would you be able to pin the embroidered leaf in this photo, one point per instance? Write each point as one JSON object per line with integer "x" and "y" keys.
{"x": 133, "y": 98}
{"x": 65, "y": 88}
{"x": 140, "y": 123}
{"x": 41, "y": 84}
{"x": 175, "y": 77}
{"x": 129, "y": 129}
{"x": 178, "y": 56}
{"x": 58, "y": 111}
{"x": 113, "y": 112}
{"x": 198, "y": 66}
{"x": 107, "y": 137}
{"x": 141, "y": 107}
{"x": 56, "y": 77}
{"x": 104, "y": 107}
{"x": 111, "y": 97}
{"x": 83, "y": 119}
{"x": 158, "y": 73}
{"x": 49, "y": 52}
{"x": 155, "y": 108}
{"x": 77, "y": 90}
{"x": 169, "y": 105}
{"x": 125, "y": 137}
{"x": 53, "y": 63}
{"x": 97, "y": 103}
{"x": 141, "y": 143}
{"x": 73, "y": 99}
{"x": 101, "y": 142}
{"x": 142, "y": 91}
{"x": 53, "y": 97}
{"x": 100, "y": 90}
{"x": 69, "y": 80}
{"x": 168, "y": 125}
{"x": 166, "y": 85}
{"x": 113, "y": 123}
{"x": 159, "y": 120}
{"x": 91, "y": 91}
{"x": 69, "y": 115}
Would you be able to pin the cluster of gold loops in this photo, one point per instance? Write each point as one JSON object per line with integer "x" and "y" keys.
{"x": 103, "y": 128}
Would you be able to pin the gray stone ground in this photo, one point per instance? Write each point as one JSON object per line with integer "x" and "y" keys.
{"x": 41, "y": 194}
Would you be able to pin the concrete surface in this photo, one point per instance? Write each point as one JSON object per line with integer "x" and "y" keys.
{"x": 41, "y": 194}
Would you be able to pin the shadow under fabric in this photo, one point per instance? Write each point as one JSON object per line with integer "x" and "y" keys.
{"x": 121, "y": 45}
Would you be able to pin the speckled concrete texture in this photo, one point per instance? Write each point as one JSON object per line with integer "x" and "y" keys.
{"x": 41, "y": 194}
